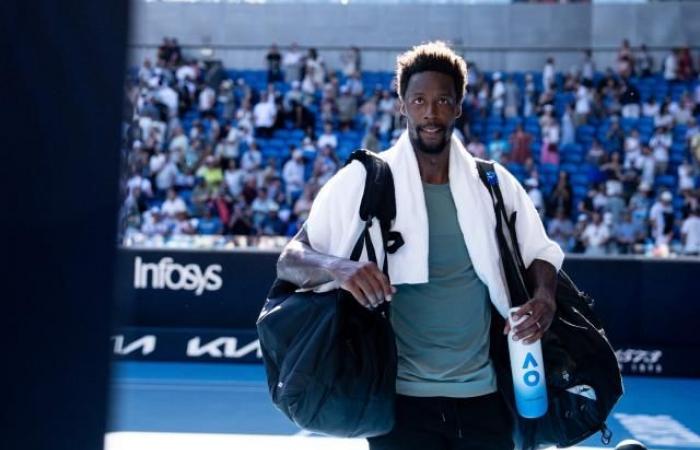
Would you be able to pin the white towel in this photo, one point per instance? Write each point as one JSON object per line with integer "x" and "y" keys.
{"x": 334, "y": 223}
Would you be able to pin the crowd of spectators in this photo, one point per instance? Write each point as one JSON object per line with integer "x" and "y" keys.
{"x": 611, "y": 160}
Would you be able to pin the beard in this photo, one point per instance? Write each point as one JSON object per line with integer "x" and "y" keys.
{"x": 432, "y": 148}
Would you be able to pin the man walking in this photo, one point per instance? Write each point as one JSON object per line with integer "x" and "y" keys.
{"x": 445, "y": 277}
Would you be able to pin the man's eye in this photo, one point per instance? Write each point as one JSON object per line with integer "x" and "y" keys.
{"x": 444, "y": 100}
{"x": 418, "y": 100}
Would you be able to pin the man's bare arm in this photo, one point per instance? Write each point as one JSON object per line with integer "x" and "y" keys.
{"x": 303, "y": 266}
{"x": 307, "y": 268}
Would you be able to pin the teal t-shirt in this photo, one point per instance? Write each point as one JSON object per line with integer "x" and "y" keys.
{"x": 442, "y": 326}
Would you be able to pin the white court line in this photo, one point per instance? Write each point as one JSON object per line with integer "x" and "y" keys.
{"x": 204, "y": 441}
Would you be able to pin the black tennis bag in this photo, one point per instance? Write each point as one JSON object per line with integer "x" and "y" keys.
{"x": 330, "y": 363}
{"x": 583, "y": 378}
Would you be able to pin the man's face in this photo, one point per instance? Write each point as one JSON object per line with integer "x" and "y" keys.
{"x": 431, "y": 107}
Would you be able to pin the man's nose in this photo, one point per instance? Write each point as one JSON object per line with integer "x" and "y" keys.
{"x": 430, "y": 110}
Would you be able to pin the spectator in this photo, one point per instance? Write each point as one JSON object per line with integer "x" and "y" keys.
{"x": 386, "y": 109}
{"x": 568, "y": 129}
{"x": 201, "y": 197}
{"x": 498, "y": 148}
{"x": 661, "y": 219}
{"x": 274, "y": 64}
{"x": 520, "y": 143}
{"x": 671, "y": 65}
{"x": 664, "y": 118}
{"x": 302, "y": 206}
{"x": 615, "y": 136}
{"x": 625, "y": 59}
{"x": 626, "y": 234}
{"x": 209, "y": 224}
{"x": 252, "y": 159}
{"x": 651, "y": 108}
{"x": 271, "y": 177}
{"x": 142, "y": 183}
{"x": 498, "y": 95}
{"x": 476, "y": 148}
{"x": 264, "y": 115}
{"x": 207, "y": 100}
{"x": 328, "y": 137}
{"x": 629, "y": 99}
{"x": 370, "y": 141}
{"x": 293, "y": 175}
{"x": 173, "y": 204}
{"x": 646, "y": 166}
{"x": 583, "y": 104}
{"x": 686, "y": 179}
{"x": 561, "y": 230}
{"x": 240, "y": 222}
{"x": 660, "y": 144}
{"x": 512, "y": 98}
{"x": 302, "y": 118}
{"x": 272, "y": 225}
{"x": 347, "y": 108}
{"x": 530, "y": 96}
{"x": 166, "y": 176}
{"x": 596, "y": 154}
{"x": 352, "y": 61}
{"x": 686, "y": 69}
{"x": 533, "y": 191}
{"x": 325, "y": 165}
{"x": 315, "y": 68}
{"x": 211, "y": 172}
{"x": 355, "y": 86}
{"x": 595, "y": 236}
{"x": 155, "y": 224}
{"x": 587, "y": 66}
{"x": 615, "y": 205}
{"x": 549, "y": 154}
{"x": 683, "y": 112}
{"x": 561, "y": 197}
{"x": 261, "y": 206}
{"x": 548, "y": 73}
{"x": 690, "y": 233}
{"x": 292, "y": 63}
{"x": 645, "y": 62}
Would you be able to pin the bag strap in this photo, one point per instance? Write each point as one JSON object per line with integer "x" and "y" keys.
{"x": 511, "y": 258}
{"x": 378, "y": 201}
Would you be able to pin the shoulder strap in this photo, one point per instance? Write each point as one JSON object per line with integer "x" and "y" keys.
{"x": 511, "y": 259}
{"x": 378, "y": 201}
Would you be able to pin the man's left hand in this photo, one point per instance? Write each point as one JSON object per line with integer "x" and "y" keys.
{"x": 540, "y": 313}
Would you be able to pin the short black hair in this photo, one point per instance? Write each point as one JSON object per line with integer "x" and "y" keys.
{"x": 433, "y": 56}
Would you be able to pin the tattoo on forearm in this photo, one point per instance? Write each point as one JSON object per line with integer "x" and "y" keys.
{"x": 303, "y": 266}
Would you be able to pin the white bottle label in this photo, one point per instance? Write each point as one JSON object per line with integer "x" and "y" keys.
{"x": 527, "y": 366}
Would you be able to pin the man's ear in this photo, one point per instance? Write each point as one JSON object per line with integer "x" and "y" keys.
{"x": 402, "y": 107}
{"x": 459, "y": 110}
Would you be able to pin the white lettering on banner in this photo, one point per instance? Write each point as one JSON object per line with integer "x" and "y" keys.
{"x": 223, "y": 347}
{"x": 147, "y": 344}
{"x": 167, "y": 274}
{"x": 640, "y": 361}
{"x": 658, "y": 430}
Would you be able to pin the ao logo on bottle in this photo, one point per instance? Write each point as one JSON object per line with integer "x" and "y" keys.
{"x": 530, "y": 377}
{"x": 167, "y": 274}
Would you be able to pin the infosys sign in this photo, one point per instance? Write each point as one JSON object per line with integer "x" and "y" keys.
{"x": 167, "y": 274}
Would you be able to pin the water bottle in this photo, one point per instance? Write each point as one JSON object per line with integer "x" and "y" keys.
{"x": 527, "y": 367}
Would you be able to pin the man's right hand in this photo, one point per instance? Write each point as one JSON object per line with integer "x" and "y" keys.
{"x": 364, "y": 280}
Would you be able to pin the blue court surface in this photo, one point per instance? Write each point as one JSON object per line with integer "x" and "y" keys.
{"x": 226, "y": 406}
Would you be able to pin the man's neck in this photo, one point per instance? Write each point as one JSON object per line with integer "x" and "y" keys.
{"x": 433, "y": 168}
